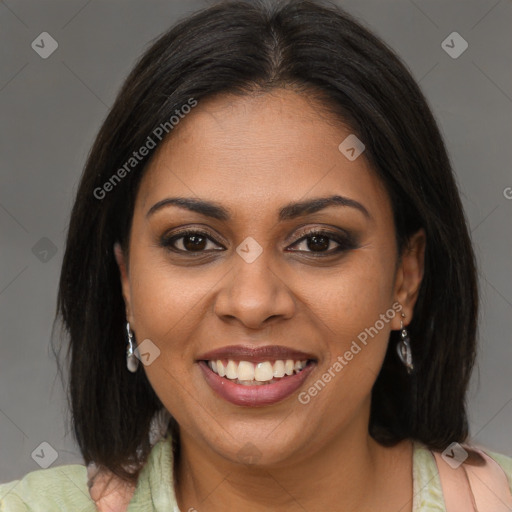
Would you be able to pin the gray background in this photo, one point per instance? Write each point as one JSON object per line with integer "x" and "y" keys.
{"x": 52, "y": 108}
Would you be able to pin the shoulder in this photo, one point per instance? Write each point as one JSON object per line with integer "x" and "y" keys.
{"x": 504, "y": 461}
{"x": 62, "y": 488}
{"x": 430, "y": 470}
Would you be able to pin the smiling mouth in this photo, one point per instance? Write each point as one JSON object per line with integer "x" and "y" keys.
{"x": 263, "y": 373}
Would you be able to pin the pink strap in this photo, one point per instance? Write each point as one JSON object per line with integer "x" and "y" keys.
{"x": 479, "y": 484}
{"x": 456, "y": 489}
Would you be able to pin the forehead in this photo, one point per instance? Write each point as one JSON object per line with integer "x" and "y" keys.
{"x": 253, "y": 153}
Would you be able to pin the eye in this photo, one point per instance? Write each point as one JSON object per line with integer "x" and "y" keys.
{"x": 319, "y": 241}
{"x": 314, "y": 241}
{"x": 188, "y": 241}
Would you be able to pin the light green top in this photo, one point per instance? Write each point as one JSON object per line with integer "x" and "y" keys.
{"x": 64, "y": 488}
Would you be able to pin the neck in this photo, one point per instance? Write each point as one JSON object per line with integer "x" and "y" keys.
{"x": 349, "y": 472}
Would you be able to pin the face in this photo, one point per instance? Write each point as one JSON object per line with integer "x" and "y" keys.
{"x": 325, "y": 281}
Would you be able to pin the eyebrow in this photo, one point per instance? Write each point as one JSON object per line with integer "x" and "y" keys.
{"x": 288, "y": 212}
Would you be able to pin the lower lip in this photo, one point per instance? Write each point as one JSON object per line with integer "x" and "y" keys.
{"x": 257, "y": 395}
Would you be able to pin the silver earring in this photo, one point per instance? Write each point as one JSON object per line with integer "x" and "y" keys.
{"x": 403, "y": 348}
{"x": 132, "y": 362}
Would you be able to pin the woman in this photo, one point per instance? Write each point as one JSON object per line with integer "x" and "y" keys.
{"x": 269, "y": 285}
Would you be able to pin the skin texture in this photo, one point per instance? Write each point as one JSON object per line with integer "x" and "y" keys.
{"x": 254, "y": 154}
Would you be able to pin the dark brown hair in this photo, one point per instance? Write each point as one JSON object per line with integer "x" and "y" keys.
{"x": 246, "y": 47}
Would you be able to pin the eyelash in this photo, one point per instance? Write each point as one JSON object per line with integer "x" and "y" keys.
{"x": 345, "y": 242}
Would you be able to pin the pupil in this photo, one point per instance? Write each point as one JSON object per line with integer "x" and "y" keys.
{"x": 314, "y": 243}
{"x": 198, "y": 242}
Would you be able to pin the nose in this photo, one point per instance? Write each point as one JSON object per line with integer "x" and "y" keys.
{"x": 254, "y": 294}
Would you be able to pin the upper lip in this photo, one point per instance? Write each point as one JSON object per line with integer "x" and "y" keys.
{"x": 255, "y": 354}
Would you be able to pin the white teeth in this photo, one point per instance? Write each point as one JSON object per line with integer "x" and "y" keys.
{"x": 232, "y": 370}
{"x": 245, "y": 372}
{"x": 263, "y": 372}
{"x": 279, "y": 369}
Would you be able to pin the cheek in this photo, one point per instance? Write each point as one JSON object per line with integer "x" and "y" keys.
{"x": 352, "y": 297}
{"x": 355, "y": 306}
{"x": 165, "y": 298}
{"x": 167, "y": 307}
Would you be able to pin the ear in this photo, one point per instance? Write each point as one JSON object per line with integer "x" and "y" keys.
{"x": 409, "y": 276}
{"x": 125, "y": 280}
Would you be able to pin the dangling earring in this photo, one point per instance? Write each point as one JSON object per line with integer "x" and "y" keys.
{"x": 132, "y": 362}
{"x": 403, "y": 348}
